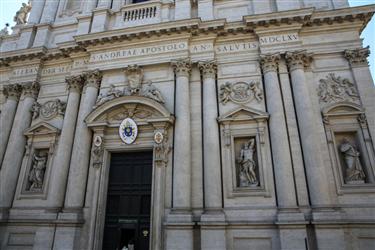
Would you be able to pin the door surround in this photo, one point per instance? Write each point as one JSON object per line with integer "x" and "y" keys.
{"x": 151, "y": 118}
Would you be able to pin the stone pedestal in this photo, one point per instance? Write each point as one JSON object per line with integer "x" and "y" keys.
{"x": 16, "y": 146}
{"x": 317, "y": 181}
{"x": 62, "y": 159}
{"x": 12, "y": 93}
{"x": 100, "y": 20}
{"x": 79, "y": 163}
{"x": 206, "y": 9}
{"x": 282, "y": 162}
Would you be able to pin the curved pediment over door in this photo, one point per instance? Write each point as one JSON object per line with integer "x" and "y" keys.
{"x": 143, "y": 110}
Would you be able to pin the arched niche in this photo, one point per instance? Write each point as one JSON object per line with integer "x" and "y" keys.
{"x": 346, "y": 121}
{"x": 151, "y": 117}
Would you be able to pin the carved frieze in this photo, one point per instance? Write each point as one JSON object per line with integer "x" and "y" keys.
{"x": 240, "y": 92}
{"x": 334, "y": 89}
{"x": 134, "y": 87}
{"x": 357, "y": 56}
{"x": 48, "y": 110}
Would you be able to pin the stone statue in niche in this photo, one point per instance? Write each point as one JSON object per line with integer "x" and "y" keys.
{"x": 247, "y": 165}
{"x": 240, "y": 92}
{"x": 354, "y": 172}
{"x": 335, "y": 89}
{"x": 21, "y": 14}
{"x": 36, "y": 175}
{"x": 111, "y": 94}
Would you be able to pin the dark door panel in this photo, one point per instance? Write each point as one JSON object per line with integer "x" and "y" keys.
{"x": 128, "y": 201}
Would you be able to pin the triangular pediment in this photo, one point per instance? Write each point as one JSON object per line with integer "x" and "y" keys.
{"x": 42, "y": 128}
{"x": 243, "y": 114}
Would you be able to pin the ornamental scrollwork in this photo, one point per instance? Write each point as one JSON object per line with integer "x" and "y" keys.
{"x": 97, "y": 151}
{"x": 335, "y": 89}
{"x": 48, "y": 110}
{"x": 240, "y": 92}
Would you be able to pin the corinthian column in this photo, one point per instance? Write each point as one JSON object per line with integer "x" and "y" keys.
{"x": 62, "y": 159}
{"x": 79, "y": 163}
{"x": 179, "y": 223}
{"x": 211, "y": 145}
{"x": 317, "y": 181}
{"x": 286, "y": 194}
{"x": 365, "y": 85}
{"x": 182, "y": 147}
{"x": 12, "y": 93}
{"x": 212, "y": 230}
{"x": 16, "y": 145}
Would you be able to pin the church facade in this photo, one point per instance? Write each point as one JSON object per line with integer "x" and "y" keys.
{"x": 187, "y": 124}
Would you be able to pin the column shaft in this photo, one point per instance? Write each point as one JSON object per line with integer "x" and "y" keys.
{"x": 211, "y": 143}
{"x": 317, "y": 181}
{"x": 36, "y": 11}
{"x": 12, "y": 92}
{"x": 62, "y": 159}
{"x": 182, "y": 144}
{"x": 49, "y": 11}
{"x": 16, "y": 146}
{"x": 79, "y": 163}
{"x": 286, "y": 193}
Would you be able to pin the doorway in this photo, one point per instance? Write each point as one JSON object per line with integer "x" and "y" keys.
{"x": 127, "y": 219}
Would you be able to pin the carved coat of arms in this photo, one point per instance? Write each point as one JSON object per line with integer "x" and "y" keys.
{"x": 240, "y": 92}
{"x": 128, "y": 130}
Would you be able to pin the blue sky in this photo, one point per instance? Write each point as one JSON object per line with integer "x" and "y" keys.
{"x": 9, "y": 7}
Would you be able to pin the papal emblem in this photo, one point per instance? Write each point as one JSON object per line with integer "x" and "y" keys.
{"x": 128, "y": 130}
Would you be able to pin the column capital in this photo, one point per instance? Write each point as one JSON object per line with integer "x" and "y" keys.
{"x": 208, "y": 68}
{"x": 182, "y": 67}
{"x": 269, "y": 62}
{"x": 357, "y": 57}
{"x": 30, "y": 89}
{"x": 75, "y": 83}
{"x": 93, "y": 78}
{"x": 13, "y": 91}
{"x": 298, "y": 59}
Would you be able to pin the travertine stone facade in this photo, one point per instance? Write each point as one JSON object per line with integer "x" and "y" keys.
{"x": 260, "y": 116}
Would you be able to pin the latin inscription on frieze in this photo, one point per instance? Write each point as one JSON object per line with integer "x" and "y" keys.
{"x": 275, "y": 39}
{"x": 126, "y": 53}
{"x": 25, "y": 71}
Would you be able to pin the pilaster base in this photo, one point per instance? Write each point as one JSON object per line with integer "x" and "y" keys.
{"x": 213, "y": 236}
{"x": 179, "y": 231}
